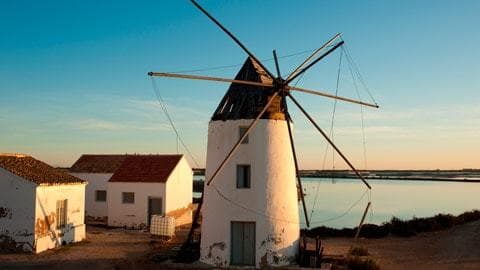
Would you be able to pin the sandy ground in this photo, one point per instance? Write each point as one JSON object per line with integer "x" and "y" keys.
{"x": 103, "y": 249}
{"x": 456, "y": 248}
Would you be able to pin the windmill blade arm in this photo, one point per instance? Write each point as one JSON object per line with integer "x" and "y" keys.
{"x": 318, "y": 93}
{"x": 312, "y": 55}
{"x": 206, "y": 78}
{"x": 315, "y": 61}
{"x": 297, "y": 173}
{"x": 329, "y": 141}
{"x": 277, "y": 67}
{"x": 231, "y": 36}
{"x": 235, "y": 147}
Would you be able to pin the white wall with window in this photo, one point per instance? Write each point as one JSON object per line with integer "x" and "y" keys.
{"x": 96, "y": 194}
{"x": 61, "y": 208}
{"x": 128, "y": 203}
{"x": 260, "y": 176}
{"x": 41, "y": 207}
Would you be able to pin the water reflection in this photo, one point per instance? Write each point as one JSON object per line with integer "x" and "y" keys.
{"x": 340, "y": 202}
{"x": 403, "y": 199}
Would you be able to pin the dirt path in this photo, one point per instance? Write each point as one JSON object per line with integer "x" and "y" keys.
{"x": 104, "y": 249}
{"x": 456, "y": 248}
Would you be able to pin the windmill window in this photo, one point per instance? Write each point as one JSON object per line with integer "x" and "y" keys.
{"x": 242, "y": 131}
{"x": 61, "y": 213}
{"x": 128, "y": 197}
{"x": 100, "y": 195}
{"x": 243, "y": 176}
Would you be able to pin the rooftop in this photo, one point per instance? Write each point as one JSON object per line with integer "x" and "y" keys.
{"x": 146, "y": 168}
{"x": 246, "y": 101}
{"x": 35, "y": 170}
{"x": 97, "y": 163}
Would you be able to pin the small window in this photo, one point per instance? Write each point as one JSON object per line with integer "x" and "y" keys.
{"x": 243, "y": 176}
{"x": 61, "y": 213}
{"x": 100, "y": 195}
{"x": 128, "y": 197}
{"x": 243, "y": 130}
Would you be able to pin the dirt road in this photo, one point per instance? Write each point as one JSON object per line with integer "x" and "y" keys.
{"x": 104, "y": 249}
{"x": 455, "y": 248}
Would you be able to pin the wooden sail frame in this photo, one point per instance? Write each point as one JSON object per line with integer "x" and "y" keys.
{"x": 281, "y": 88}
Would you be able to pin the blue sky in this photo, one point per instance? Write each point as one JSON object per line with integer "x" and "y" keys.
{"x": 73, "y": 76}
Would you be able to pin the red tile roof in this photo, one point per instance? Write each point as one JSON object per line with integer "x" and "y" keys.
{"x": 35, "y": 170}
{"x": 146, "y": 168}
{"x": 97, "y": 163}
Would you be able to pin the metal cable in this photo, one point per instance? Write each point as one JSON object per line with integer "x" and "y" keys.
{"x": 330, "y": 133}
{"x": 165, "y": 111}
{"x": 238, "y": 65}
{"x": 344, "y": 213}
{"x": 223, "y": 196}
{"x": 361, "y": 115}
{"x": 357, "y": 70}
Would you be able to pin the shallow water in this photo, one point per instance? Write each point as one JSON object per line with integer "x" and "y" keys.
{"x": 399, "y": 198}
{"x": 340, "y": 202}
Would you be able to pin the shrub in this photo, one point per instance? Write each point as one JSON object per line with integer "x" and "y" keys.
{"x": 373, "y": 231}
{"x": 445, "y": 221}
{"x": 358, "y": 251}
{"x": 398, "y": 227}
{"x": 469, "y": 216}
{"x": 356, "y": 263}
{"x": 401, "y": 228}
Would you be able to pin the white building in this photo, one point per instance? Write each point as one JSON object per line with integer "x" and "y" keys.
{"x": 146, "y": 185}
{"x": 250, "y": 211}
{"x": 40, "y": 207}
{"x": 97, "y": 170}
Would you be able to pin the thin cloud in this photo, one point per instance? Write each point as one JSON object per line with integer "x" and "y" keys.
{"x": 104, "y": 125}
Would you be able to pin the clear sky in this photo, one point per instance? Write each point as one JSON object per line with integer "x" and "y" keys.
{"x": 73, "y": 76}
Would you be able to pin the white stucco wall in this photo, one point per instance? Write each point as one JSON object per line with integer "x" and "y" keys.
{"x": 176, "y": 194}
{"x": 180, "y": 191}
{"x": 17, "y": 210}
{"x": 46, "y": 234}
{"x": 132, "y": 215}
{"x": 96, "y": 181}
{"x": 271, "y": 202}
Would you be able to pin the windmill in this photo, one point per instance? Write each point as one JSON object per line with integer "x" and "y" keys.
{"x": 250, "y": 213}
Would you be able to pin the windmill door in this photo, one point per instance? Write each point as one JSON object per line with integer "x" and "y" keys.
{"x": 243, "y": 243}
{"x": 154, "y": 208}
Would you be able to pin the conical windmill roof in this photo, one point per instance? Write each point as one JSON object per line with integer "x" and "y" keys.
{"x": 247, "y": 101}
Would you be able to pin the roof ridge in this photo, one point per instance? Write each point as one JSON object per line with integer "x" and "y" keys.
{"x": 146, "y": 168}
{"x": 36, "y": 171}
{"x": 18, "y": 155}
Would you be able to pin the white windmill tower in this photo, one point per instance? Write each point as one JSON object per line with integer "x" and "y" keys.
{"x": 250, "y": 200}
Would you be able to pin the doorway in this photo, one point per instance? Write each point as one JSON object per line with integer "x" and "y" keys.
{"x": 243, "y": 243}
{"x": 155, "y": 207}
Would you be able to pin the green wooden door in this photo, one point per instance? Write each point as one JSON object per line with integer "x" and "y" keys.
{"x": 243, "y": 243}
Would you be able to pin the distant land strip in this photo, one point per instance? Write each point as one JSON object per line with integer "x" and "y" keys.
{"x": 464, "y": 175}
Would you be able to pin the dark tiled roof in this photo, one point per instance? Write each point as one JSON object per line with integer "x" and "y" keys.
{"x": 247, "y": 101}
{"x": 35, "y": 171}
{"x": 97, "y": 163}
{"x": 146, "y": 168}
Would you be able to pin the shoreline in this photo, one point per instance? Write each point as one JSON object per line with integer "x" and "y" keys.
{"x": 399, "y": 227}
{"x": 464, "y": 175}
{"x": 398, "y": 178}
